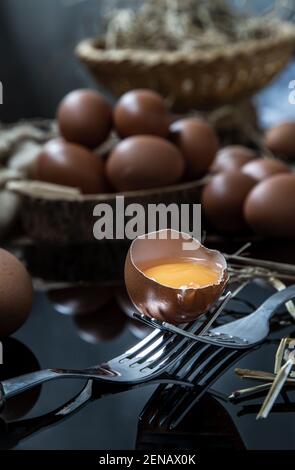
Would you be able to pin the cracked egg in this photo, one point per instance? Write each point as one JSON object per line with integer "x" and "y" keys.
{"x": 171, "y": 276}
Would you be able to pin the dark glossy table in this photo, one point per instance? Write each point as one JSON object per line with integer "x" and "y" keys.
{"x": 111, "y": 422}
{"x": 51, "y": 339}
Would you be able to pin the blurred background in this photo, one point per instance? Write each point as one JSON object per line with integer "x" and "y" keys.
{"x": 38, "y": 66}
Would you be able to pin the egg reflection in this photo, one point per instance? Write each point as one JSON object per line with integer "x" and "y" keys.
{"x": 104, "y": 325}
{"x": 79, "y": 300}
{"x": 18, "y": 360}
{"x": 138, "y": 329}
{"x": 124, "y": 301}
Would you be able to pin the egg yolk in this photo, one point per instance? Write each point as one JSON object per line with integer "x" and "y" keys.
{"x": 184, "y": 274}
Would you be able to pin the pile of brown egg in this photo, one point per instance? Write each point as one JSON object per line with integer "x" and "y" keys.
{"x": 247, "y": 191}
{"x": 154, "y": 150}
{"x": 252, "y": 192}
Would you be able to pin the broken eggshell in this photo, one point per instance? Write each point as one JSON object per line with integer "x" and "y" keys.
{"x": 167, "y": 303}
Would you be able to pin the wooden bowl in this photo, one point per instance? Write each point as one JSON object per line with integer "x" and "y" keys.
{"x": 53, "y": 213}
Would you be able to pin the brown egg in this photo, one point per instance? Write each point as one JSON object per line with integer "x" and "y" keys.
{"x": 16, "y": 294}
{"x": 263, "y": 168}
{"x": 198, "y": 142}
{"x": 144, "y": 162}
{"x": 85, "y": 118}
{"x": 232, "y": 158}
{"x": 70, "y": 165}
{"x": 176, "y": 305}
{"x": 270, "y": 207}
{"x": 280, "y": 140}
{"x": 141, "y": 112}
{"x": 79, "y": 300}
{"x": 223, "y": 199}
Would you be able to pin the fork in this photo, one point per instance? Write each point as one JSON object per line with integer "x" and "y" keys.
{"x": 239, "y": 334}
{"x": 254, "y": 328}
{"x": 147, "y": 361}
{"x": 218, "y": 339}
{"x": 15, "y": 432}
{"x": 202, "y": 366}
{"x": 207, "y": 363}
{"x": 150, "y": 358}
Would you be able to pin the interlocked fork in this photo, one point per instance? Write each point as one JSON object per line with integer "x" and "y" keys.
{"x": 175, "y": 345}
{"x": 253, "y": 327}
{"x": 14, "y": 432}
{"x": 202, "y": 366}
{"x": 145, "y": 362}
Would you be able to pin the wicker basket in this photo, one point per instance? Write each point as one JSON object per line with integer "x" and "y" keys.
{"x": 197, "y": 79}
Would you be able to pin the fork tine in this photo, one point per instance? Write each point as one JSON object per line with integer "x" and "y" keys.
{"x": 179, "y": 412}
{"x": 154, "y": 415}
{"x": 163, "y": 340}
{"x": 193, "y": 369}
{"x": 206, "y": 357}
{"x": 197, "y": 328}
{"x": 215, "y": 360}
{"x": 201, "y": 330}
{"x": 147, "y": 342}
{"x": 177, "y": 366}
{"x": 190, "y": 355}
{"x": 214, "y": 314}
{"x": 151, "y": 356}
{"x": 194, "y": 359}
{"x": 174, "y": 350}
{"x": 149, "y": 412}
{"x": 143, "y": 344}
{"x": 158, "y": 395}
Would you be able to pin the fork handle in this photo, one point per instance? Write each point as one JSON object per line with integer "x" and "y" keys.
{"x": 11, "y": 387}
{"x": 271, "y": 305}
{"x": 17, "y": 385}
